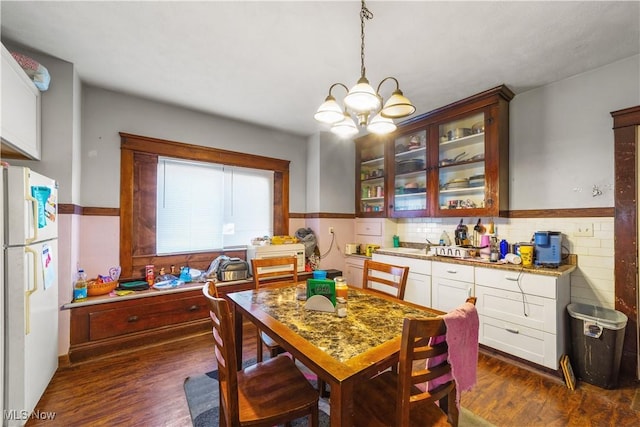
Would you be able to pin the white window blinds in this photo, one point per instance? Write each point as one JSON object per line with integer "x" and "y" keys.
{"x": 206, "y": 206}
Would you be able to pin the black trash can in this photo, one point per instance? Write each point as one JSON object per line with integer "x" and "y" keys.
{"x": 597, "y": 336}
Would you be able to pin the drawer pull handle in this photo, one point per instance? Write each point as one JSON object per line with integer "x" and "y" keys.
{"x": 132, "y": 319}
{"x": 513, "y": 279}
{"x": 513, "y": 331}
{"x": 452, "y": 271}
{"x": 194, "y": 308}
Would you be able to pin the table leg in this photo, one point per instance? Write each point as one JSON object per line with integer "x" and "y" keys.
{"x": 237, "y": 322}
{"x": 341, "y": 401}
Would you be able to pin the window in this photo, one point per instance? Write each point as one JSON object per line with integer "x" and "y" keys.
{"x": 140, "y": 157}
{"x": 206, "y": 206}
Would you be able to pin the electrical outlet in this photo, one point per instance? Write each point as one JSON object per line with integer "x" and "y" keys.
{"x": 585, "y": 230}
{"x": 330, "y": 230}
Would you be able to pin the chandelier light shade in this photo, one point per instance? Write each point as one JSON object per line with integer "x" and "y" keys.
{"x": 362, "y": 98}
{"x": 381, "y": 125}
{"x": 329, "y": 112}
{"x": 345, "y": 128}
{"x": 363, "y": 101}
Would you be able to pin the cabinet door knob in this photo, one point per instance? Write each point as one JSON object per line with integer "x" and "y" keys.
{"x": 132, "y": 319}
{"x": 194, "y": 308}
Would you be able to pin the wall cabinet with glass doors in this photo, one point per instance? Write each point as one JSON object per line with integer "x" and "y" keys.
{"x": 370, "y": 177}
{"x": 470, "y": 146}
{"x": 453, "y": 161}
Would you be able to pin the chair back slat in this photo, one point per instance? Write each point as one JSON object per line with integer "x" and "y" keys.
{"x": 380, "y": 273}
{"x": 225, "y": 352}
{"x": 285, "y": 268}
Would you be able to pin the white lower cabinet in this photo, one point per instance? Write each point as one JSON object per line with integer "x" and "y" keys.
{"x": 523, "y": 314}
{"x": 451, "y": 285}
{"x": 418, "y": 290}
{"x": 354, "y": 266}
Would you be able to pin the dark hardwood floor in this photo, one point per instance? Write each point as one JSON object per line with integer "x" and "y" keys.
{"x": 145, "y": 388}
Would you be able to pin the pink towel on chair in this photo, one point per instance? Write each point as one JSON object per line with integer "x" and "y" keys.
{"x": 462, "y": 338}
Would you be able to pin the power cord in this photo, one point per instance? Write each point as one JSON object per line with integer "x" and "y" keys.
{"x": 524, "y": 306}
{"x": 333, "y": 238}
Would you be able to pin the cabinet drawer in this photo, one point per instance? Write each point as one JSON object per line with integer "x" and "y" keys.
{"x": 418, "y": 266}
{"x": 369, "y": 228}
{"x": 120, "y": 321}
{"x": 529, "y": 344}
{"x": 512, "y": 306}
{"x": 452, "y": 271}
{"x": 532, "y": 284}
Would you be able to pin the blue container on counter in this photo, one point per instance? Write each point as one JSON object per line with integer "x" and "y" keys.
{"x": 504, "y": 248}
{"x": 319, "y": 274}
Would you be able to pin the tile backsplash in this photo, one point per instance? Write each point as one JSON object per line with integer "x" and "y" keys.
{"x": 591, "y": 283}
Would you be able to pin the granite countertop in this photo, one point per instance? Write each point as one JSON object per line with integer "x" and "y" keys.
{"x": 408, "y": 252}
{"x": 371, "y": 320}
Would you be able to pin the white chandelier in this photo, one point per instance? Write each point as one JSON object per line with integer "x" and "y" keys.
{"x": 363, "y": 102}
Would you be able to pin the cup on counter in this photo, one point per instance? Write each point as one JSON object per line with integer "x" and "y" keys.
{"x": 319, "y": 274}
{"x": 301, "y": 292}
{"x": 526, "y": 253}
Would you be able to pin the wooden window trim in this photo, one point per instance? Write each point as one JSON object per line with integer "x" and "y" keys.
{"x": 138, "y": 160}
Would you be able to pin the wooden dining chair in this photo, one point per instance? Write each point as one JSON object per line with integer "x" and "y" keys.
{"x": 375, "y": 276}
{"x": 276, "y": 270}
{"x": 400, "y": 398}
{"x": 265, "y": 394}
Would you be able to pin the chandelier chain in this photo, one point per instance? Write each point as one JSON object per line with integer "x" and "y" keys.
{"x": 364, "y": 14}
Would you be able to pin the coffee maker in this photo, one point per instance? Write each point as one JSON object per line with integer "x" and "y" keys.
{"x": 548, "y": 248}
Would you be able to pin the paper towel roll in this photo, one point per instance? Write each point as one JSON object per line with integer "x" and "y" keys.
{"x": 513, "y": 259}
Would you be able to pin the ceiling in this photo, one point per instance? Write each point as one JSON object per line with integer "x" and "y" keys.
{"x": 271, "y": 63}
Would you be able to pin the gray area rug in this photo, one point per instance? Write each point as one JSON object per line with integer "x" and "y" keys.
{"x": 202, "y": 398}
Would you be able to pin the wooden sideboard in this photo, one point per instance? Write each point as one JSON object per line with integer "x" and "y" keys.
{"x": 109, "y": 325}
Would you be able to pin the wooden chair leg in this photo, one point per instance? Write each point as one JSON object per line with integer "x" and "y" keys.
{"x": 322, "y": 388}
{"x": 315, "y": 418}
{"x": 259, "y": 347}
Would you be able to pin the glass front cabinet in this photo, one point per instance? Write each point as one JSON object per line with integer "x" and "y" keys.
{"x": 453, "y": 161}
{"x": 408, "y": 174}
{"x": 370, "y": 177}
{"x": 471, "y": 144}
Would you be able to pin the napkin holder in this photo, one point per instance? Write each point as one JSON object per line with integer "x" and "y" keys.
{"x": 319, "y": 303}
{"x": 321, "y": 295}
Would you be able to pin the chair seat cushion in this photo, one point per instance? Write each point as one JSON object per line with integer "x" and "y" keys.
{"x": 262, "y": 386}
{"x": 376, "y": 404}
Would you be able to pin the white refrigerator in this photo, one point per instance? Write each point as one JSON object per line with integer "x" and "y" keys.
{"x": 30, "y": 291}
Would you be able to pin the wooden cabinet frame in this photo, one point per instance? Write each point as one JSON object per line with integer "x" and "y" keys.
{"x": 138, "y": 165}
{"x": 494, "y": 103}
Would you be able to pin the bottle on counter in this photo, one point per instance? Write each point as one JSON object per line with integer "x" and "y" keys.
{"x": 341, "y": 307}
{"x": 504, "y": 248}
{"x": 341, "y": 287}
{"x": 80, "y": 286}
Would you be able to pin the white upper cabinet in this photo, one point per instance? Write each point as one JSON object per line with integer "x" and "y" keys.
{"x": 20, "y": 114}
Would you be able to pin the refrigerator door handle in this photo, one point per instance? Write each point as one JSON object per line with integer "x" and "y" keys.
{"x": 34, "y": 203}
{"x": 28, "y": 292}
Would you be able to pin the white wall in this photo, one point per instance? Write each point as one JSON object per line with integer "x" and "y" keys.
{"x": 561, "y": 138}
{"x": 106, "y": 113}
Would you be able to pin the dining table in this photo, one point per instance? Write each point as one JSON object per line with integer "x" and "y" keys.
{"x": 340, "y": 350}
